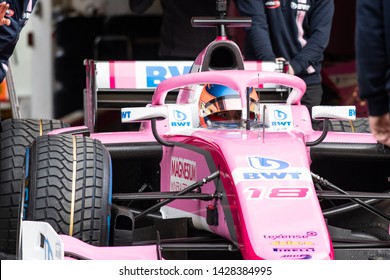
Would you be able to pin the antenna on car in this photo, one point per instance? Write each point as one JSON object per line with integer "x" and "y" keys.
{"x": 221, "y": 21}
{"x": 221, "y": 9}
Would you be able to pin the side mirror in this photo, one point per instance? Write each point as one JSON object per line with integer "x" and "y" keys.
{"x": 334, "y": 112}
{"x": 138, "y": 114}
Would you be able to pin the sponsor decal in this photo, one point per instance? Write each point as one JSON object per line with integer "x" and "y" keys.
{"x": 300, "y": 6}
{"x": 297, "y": 257}
{"x": 273, "y": 169}
{"x": 45, "y": 244}
{"x": 272, "y": 4}
{"x": 270, "y": 169}
{"x": 180, "y": 119}
{"x": 281, "y": 124}
{"x": 291, "y": 236}
{"x": 183, "y": 173}
{"x": 179, "y": 116}
{"x": 126, "y": 114}
{"x": 292, "y": 243}
{"x": 280, "y": 115}
{"x": 294, "y": 249}
{"x": 267, "y": 163}
{"x": 272, "y": 176}
{"x": 279, "y": 118}
{"x": 157, "y": 74}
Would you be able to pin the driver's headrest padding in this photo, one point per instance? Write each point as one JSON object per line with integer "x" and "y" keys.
{"x": 222, "y": 55}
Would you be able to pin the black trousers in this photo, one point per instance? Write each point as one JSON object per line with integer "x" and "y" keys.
{"x": 312, "y": 96}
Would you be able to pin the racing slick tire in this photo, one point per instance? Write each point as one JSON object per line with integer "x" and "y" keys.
{"x": 68, "y": 185}
{"x": 360, "y": 125}
{"x": 16, "y": 135}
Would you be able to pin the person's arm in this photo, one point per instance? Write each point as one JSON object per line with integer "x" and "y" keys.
{"x": 372, "y": 61}
{"x": 3, "y": 21}
{"x": 258, "y": 33}
{"x": 371, "y": 55}
{"x": 320, "y": 20}
{"x": 3, "y": 9}
{"x": 140, "y": 6}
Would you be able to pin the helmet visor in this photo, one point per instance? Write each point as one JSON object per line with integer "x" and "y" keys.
{"x": 225, "y": 103}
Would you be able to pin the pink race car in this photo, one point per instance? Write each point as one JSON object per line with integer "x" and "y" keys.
{"x": 214, "y": 169}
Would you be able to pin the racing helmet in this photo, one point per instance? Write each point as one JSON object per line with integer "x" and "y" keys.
{"x": 221, "y": 106}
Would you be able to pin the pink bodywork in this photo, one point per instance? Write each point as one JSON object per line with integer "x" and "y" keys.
{"x": 269, "y": 207}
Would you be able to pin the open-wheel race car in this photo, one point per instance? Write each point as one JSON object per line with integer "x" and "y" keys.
{"x": 222, "y": 163}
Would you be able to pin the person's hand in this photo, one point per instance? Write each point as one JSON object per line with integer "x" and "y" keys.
{"x": 290, "y": 70}
{"x": 380, "y": 128}
{"x": 3, "y": 9}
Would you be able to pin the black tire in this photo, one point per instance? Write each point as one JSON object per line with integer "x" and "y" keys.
{"x": 16, "y": 135}
{"x": 69, "y": 186}
{"x": 360, "y": 125}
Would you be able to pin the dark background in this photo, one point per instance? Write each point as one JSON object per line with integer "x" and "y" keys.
{"x": 136, "y": 37}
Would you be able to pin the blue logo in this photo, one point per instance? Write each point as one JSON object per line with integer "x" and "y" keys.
{"x": 126, "y": 114}
{"x": 179, "y": 116}
{"x": 267, "y": 163}
{"x": 180, "y": 119}
{"x": 280, "y": 115}
{"x": 157, "y": 74}
{"x": 47, "y": 248}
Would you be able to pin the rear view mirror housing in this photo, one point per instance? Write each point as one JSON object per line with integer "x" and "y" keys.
{"x": 138, "y": 114}
{"x": 334, "y": 112}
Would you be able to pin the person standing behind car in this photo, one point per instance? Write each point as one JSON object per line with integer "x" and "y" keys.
{"x": 373, "y": 63}
{"x": 179, "y": 40}
{"x": 13, "y": 17}
{"x": 296, "y": 31}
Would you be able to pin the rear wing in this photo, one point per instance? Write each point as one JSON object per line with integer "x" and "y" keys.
{"x": 117, "y": 84}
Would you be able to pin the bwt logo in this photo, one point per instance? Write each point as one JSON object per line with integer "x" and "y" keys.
{"x": 267, "y": 163}
{"x": 45, "y": 245}
{"x": 280, "y": 118}
{"x": 280, "y": 115}
{"x": 180, "y": 118}
{"x": 281, "y": 123}
{"x": 126, "y": 114}
{"x": 352, "y": 112}
{"x": 157, "y": 74}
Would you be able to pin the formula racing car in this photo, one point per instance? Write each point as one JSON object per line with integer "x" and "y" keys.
{"x": 221, "y": 163}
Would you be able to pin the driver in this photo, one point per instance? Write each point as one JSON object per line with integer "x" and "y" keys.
{"x": 220, "y": 106}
